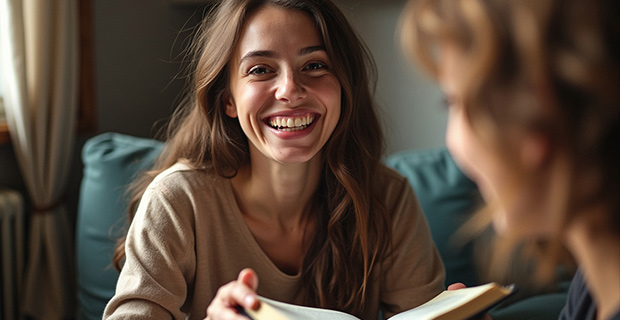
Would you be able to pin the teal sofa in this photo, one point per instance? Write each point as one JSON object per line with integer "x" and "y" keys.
{"x": 111, "y": 161}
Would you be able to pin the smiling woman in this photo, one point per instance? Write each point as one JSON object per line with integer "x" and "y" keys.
{"x": 297, "y": 72}
{"x": 271, "y": 169}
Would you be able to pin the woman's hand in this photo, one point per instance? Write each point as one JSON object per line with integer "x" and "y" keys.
{"x": 241, "y": 292}
{"x": 456, "y": 286}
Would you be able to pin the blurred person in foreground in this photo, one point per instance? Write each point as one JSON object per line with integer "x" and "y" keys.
{"x": 533, "y": 92}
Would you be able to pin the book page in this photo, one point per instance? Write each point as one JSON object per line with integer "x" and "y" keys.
{"x": 455, "y": 304}
{"x": 451, "y": 300}
{"x": 275, "y": 310}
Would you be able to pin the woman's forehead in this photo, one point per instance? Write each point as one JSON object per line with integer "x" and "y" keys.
{"x": 272, "y": 27}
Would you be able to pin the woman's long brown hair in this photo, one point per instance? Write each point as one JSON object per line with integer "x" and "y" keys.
{"x": 354, "y": 228}
{"x": 546, "y": 67}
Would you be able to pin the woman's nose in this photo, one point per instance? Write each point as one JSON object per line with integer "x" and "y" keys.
{"x": 289, "y": 88}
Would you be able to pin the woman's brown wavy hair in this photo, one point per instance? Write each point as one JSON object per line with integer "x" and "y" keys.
{"x": 548, "y": 67}
{"x": 354, "y": 228}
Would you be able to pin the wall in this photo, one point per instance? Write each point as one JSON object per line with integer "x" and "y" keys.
{"x": 138, "y": 49}
{"x": 411, "y": 105}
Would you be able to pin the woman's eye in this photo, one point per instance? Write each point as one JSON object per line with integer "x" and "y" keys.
{"x": 315, "y": 66}
{"x": 258, "y": 70}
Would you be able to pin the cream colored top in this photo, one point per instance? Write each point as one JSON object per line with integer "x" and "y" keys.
{"x": 188, "y": 238}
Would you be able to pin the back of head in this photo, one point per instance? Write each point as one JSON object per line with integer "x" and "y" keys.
{"x": 545, "y": 67}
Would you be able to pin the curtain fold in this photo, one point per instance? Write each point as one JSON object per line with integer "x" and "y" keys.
{"x": 39, "y": 60}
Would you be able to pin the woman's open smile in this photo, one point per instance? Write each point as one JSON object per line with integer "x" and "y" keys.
{"x": 291, "y": 123}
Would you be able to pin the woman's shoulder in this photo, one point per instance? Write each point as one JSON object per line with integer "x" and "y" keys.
{"x": 182, "y": 173}
{"x": 181, "y": 180}
{"x": 184, "y": 189}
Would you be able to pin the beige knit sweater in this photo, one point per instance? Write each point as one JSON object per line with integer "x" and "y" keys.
{"x": 188, "y": 238}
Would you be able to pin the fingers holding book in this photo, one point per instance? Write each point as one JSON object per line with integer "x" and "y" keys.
{"x": 456, "y": 286}
{"x": 236, "y": 295}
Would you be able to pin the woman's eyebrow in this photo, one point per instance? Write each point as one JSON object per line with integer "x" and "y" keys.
{"x": 272, "y": 54}
{"x": 259, "y": 53}
{"x": 311, "y": 49}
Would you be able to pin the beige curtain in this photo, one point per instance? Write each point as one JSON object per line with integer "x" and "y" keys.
{"x": 38, "y": 63}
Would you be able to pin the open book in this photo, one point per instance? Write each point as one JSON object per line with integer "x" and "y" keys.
{"x": 448, "y": 305}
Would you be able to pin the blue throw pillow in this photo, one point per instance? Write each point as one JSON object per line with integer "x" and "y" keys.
{"x": 111, "y": 162}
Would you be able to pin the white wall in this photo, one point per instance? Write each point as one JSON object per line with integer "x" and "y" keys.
{"x": 412, "y": 107}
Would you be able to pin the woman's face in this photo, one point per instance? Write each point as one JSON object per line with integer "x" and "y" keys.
{"x": 519, "y": 201}
{"x": 282, "y": 88}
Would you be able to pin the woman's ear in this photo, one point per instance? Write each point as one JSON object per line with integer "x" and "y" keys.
{"x": 231, "y": 107}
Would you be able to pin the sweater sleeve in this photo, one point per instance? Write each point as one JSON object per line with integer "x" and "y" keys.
{"x": 414, "y": 272}
{"x": 160, "y": 258}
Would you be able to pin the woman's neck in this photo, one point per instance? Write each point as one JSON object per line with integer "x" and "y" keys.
{"x": 598, "y": 253}
{"x": 278, "y": 192}
{"x": 277, "y": 203}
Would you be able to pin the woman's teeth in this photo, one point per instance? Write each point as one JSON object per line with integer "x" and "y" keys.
{"x": 291, "y": 123}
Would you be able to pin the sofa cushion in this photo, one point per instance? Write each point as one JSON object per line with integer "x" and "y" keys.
{"x": 448, "y": 198}
{"x": 111, "y": 162}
